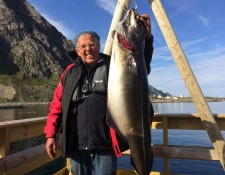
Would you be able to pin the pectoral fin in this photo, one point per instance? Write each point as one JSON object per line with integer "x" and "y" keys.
{"x": 132, "y": 65}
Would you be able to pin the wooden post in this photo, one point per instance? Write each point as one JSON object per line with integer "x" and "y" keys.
{"x": 4, "y": 142}
{"x": 165, "y": 143}
{"x": 189, "y": 79}
{"x": 117, "y": 17}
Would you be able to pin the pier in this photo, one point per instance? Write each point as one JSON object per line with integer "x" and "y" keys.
{"x": 27, "y": 160}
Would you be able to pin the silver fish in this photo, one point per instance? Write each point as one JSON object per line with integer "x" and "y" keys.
{"x": 128, "y": 91}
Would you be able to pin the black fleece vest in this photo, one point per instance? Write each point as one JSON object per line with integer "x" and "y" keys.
{"x": 94, "y": 81}
{"x": 86, "y": 119}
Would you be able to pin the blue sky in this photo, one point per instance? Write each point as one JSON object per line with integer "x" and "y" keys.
{"x": 199, "y": 26}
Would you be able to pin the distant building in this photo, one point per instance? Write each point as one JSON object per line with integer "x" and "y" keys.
{"x": 181, "y": 96}
{"x": 159, "y": 96}
{"x": 175, "y": 98}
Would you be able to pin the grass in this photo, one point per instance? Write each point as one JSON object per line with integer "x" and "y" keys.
{"x": 30, "y": 89}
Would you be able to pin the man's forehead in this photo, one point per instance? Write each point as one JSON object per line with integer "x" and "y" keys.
{"x": 86, "y": 38}
{"x": 94, "y": 34}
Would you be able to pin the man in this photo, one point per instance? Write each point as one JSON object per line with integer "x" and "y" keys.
{"x": 78, "y": 109}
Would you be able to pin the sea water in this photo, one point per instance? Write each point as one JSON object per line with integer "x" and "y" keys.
{"x": 181, "y": 137}
{"x": 182, "y": 166}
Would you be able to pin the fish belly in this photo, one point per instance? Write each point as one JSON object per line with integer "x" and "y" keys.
{"x": 128, "y": 106}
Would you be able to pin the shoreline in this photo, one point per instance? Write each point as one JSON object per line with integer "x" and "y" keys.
{"x": 185, "y": 100}
{"x": 8, "y": 105}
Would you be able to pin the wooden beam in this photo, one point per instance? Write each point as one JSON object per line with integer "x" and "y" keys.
{"x": 22, "y": 129}
{"x": 25, "y": 161}
{"x": 13, "y": 123}
{"x": 117, "y": 17}
{"x": 183, "y": 152}
{"x": 132, "y": 172}
{"x": 189, "y": 79}
{"x": 26, "y": 131}
{"x": 185, "y": 121}
{"x": 63, "y": 171}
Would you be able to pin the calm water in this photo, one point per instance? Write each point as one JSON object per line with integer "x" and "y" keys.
{"x": 41, "y": 110}
{"x": 30, "y": 111}
{"x": 184, "y": 137}
{"x": 181, "y": 137}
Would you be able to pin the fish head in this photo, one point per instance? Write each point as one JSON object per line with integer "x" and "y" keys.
{"x": 130, "y": 32}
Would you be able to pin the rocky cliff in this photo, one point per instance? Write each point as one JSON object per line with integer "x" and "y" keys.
{"x": 30, "y": 47}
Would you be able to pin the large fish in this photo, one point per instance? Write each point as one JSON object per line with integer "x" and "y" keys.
{"x": 128, "y": 91}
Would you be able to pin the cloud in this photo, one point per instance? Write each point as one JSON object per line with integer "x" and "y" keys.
{"x": 180, "y": 8}
{"x": 203, "y": 20}
{"x": 207, "y": 66}
{"x": 168, "y": 79}
{"x": 193, "y": 42}
{"x": 60, "y": 26}
{"x": 211, "y": 76}
{"x": 107, "y": 5}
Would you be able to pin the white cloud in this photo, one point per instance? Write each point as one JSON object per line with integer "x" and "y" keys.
{"x": 207, "y": 66}
{"x": 193, "y": 42}
{"x": 60, "y": 26}
{"x": 203, "y": 20}
{"x": 107, "y": 5}
{"x": 180, "y": 8}
{"x": 168, "y": 79}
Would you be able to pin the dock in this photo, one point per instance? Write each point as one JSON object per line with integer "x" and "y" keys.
{"x": 29, "y": 159}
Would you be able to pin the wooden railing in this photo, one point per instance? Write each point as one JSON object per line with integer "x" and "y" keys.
{"x": 32, "y": 158}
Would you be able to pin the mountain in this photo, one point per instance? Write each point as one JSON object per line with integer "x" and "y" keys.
{"x": 155, "y": 92}
{"x": 30, "y": 46}
{"x": 33, "y": 54}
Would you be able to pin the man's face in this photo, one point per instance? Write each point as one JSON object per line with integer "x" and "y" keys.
{"x": 88, "y": 49}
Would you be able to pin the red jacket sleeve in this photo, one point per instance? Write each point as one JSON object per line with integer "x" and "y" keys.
{"x": 55, "y": 109}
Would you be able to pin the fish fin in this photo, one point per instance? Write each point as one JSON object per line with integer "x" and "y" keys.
{"x": 132, "y": 65}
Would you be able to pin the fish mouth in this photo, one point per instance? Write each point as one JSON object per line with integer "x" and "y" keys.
{"x": 124, "y": 43}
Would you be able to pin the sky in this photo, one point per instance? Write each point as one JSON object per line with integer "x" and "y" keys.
{"x": 199, "y": 26}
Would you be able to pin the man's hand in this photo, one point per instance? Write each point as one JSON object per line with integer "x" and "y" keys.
{"x": 51, "y": 147}
{"x": 145, "y": 18}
